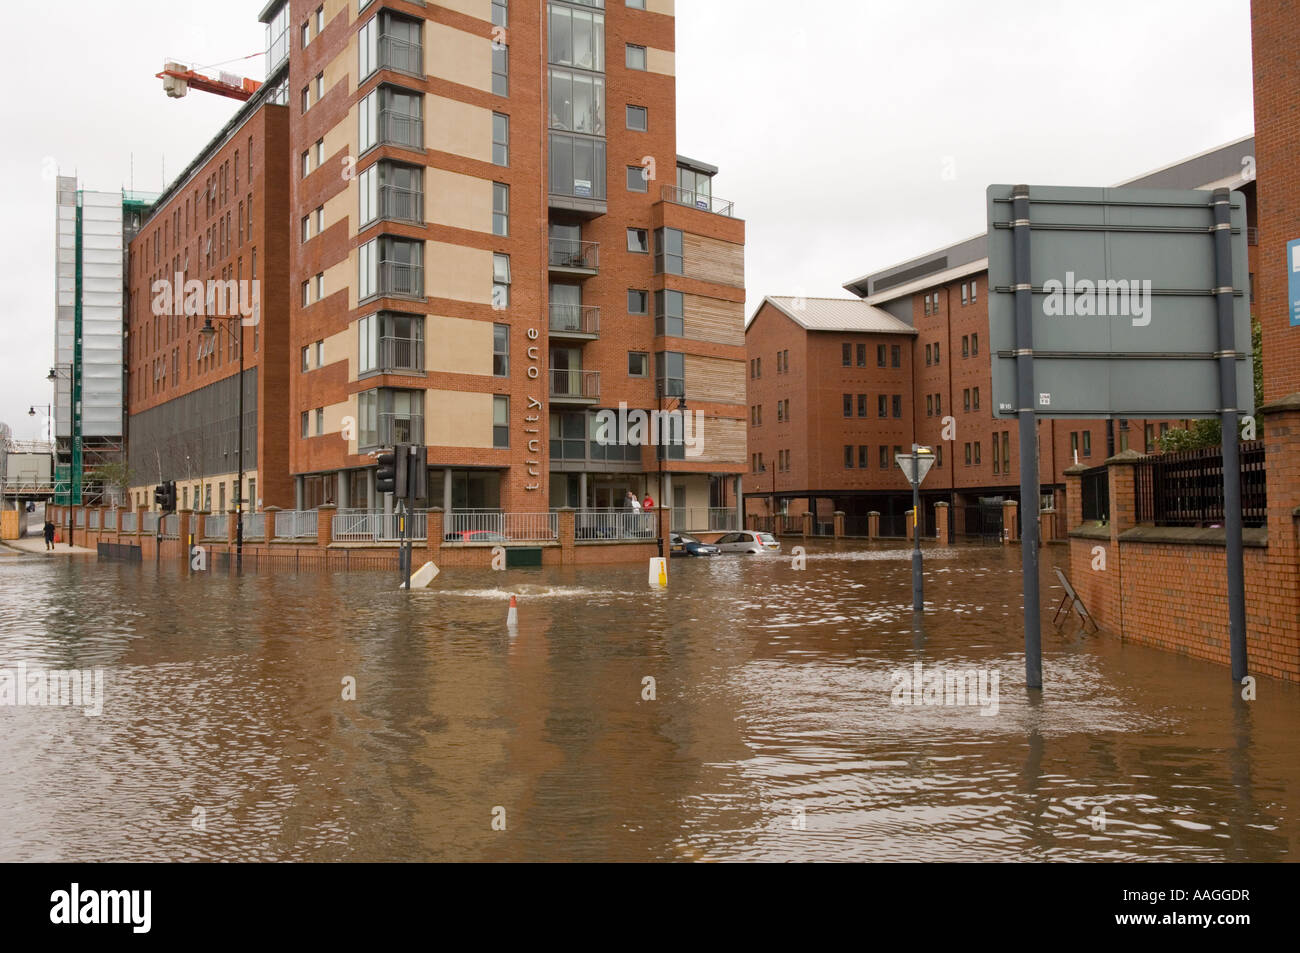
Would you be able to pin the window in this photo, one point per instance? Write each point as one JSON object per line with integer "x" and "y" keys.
{"x": 577, "y": 101}
{"x": 848, "y": 458}
{"x": 387, "y": 190}
{"x": 390, "y": 342}
{"x": 862, "y": 355}
{"x": 1087, "y": 442}
{"x": 320, "y": 86}
{"x": 848, "y": 405}
{"x": 306, "y": 99}
{"x": 500, "y": 281}
{"x": 880, "y": 355}
{"x": 391, "y": 115}
{"x": 638, "y": 240}
{"x": 997, "y": 463}
{"x": 306, "y": 227}
{"x": 668, "y": 252}
{"x": 862, "y": 405}
{"x": 965, "y": 345}
{"x": 864, "y": 457}
{"x": 638, "y": 302}
{"x": 934, "y": 302}
{"x": 577, "y": 37}
{"x": 501, "y": 421}
{"x": 963, "y": 304}
{"x": 636, "y": 4}
{"x": 500, "y": 350}
{"x": 895, "y": 355}
{"x": 637, "y": 180}
{"x": 320, "y": 421}
{"x": 306, "y": 359}
{"x": 974, "y": 344}
{"x": 320, "y": 153}
{"x": 927, "y": 356}
{"x": 500, "y": 12}
{"x": 500, "y": 209}
{"x": 898, "y": 405}
{"x": 638, "y": 118}
{"x": 972, "y": 292}
{"x": 846, "y": 355}
{"x": 975, "y": 398}
{"x": 670, "y": 314}
{"x": 500, "y": 69}
{"x": 577, "y": 166}
{"x": 927, "y": 304}
{"x": 1006, "y": 449}
{"x": 936, "y": 352}
{"x": 929, "y": 405}
{"x": 306, "y": 163}
{"x": 938, "y": 456}
{"x": 884, "y": 457}
{"x": 670, "y": 373}
{"x": 966, "y": 448}
{"x": 390, "y": 266}
{"x": 500, "y": 139}
{"x": 320, "y": 20}
{"x": 965, "y": 399}
{"x": 304, "y": 428}
{"x": 882, "y": 406}
{"x": 638, "y": 365}
{"x": 304, "y": 36}
{"x": 977, "y": 453}
{"x": 636, "y": 57}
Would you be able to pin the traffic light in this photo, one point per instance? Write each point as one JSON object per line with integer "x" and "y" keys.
{"x": 403, "y": 454}
{"x": 386, "y": 475}
{"x": 418, "y": 476}
{"x": 170, "y": 505}
{"x": 160, "y": 496}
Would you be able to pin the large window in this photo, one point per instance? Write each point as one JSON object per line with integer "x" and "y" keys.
{"x": 577, "y": 38}
{"x": 387, "y": 190}
{"x": 391, "y": 116}
{"x": 670, "y": 314}
{"x": 500, "y": 421}
{"x": 390, "y": 342}
{"x": 577, "y": 166}
{"x": 668, "y": 251}
{"x": 390, "y": 266}
{"x": 577, "y": 102}
{"x": 387, "y": 41}
{"x": 670, "y": 373}
{"x": 388, "y": 417}
{"x": 500, "y": 209}
{"x": 695, "y": 188}
{"x": 500, "y": 69}
{"x": 500, "y": 139}
{"x": 500, "y": 281}
{"x": 501, "y": 350}
{"x": 277, "y": 39}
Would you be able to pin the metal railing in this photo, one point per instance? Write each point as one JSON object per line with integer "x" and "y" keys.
{"x": 254, "y": 526}
{"x": 579, "y": 385}
{"x": 375, "y": 526}
{"x": 400, "y": 129}
{"x": 216, "y": 526}
{"x": 575, "y": 319}
{"x": 1094, "y": 494}
{"x": 401, "y": 55}
{"x": 1186, "y": 489}
{"x": 401, "y": 428}
{"x": 494, "y": 526}
{"x": 401, "y": 279}
{"x": 705, "y": 203}
{"x": 126, "y": 522}
{"x": 401, "y": 354}
{"x": 171, "y": 526}
{"x": 531, "y": 527}
{"x": 399, "y": 204}
{"x": 615, "y": 525}
{"x": 295, "y": 524}
{"x": 568, "y": 253}
{"x": 149, "y": 524}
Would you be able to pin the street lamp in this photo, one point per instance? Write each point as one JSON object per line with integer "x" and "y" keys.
{"x": 915, "y": 466}
{"x": 48, "y": 410}
{"x": 209, "y": 331}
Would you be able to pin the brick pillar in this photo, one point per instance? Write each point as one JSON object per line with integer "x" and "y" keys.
{"x": 873, "y": 525}
{"x": 1046, "y": 526}
{"x": 908, "y": 525}
{"x": 568, "y": 522}
{"x": 1281, "y": 423}
{"x": 186, "y": 521}
{"x": 1074, "y": 496}
{"x": 140, "y": 510}
{"x": 807, "y": 525}
{"x": 325, "y": 524}
{"x": 434, "y": 542}
{"x": 1123, "y": 499}
{"x": 270, "y": 512}
{"x": 941, "y": 522}
{"x": 839, "y": 524}
{"x": 103, "y": 515}
{"x": 231, "y": 527}
{"x": 1009, "y": 510}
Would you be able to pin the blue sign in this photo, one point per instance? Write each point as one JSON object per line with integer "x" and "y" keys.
{"x": 1293, "y": 280}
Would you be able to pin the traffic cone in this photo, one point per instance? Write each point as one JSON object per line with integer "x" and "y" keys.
{"x": 512, "y": 617}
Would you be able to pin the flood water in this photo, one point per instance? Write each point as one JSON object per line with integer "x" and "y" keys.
{"x": 771, "y": 734}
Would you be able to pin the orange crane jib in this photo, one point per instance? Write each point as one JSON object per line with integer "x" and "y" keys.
{"x": 177, "y": 82}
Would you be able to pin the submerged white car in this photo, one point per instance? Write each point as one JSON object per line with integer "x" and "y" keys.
{"x": 748, "y": 542}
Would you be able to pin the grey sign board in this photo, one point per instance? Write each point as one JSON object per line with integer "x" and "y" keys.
{"x": 1124, "y": 308}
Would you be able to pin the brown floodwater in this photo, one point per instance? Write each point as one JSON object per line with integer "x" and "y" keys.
{"x": 772, "y": 733}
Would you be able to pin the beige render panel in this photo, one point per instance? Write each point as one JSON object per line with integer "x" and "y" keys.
{"x": 661, "y": 61}
{"x": 457, "y": 200}
{"x": 660, "y": 6}
{"x": 457, "y": 272}
{"x": 340, "y": 207}
{"x": 458, "y": 56}
{"x": 334, "y": 418}
{"x": 474, "y": 8}
{"x": 343, "y": 68}
{"x": 458, "y": 128}
{"x": 458, "y": 419}
{"x": 343, "y": 347}
{"x": 457, "y": 346}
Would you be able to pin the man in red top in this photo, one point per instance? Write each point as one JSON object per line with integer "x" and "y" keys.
{"x": 649, "y": 503}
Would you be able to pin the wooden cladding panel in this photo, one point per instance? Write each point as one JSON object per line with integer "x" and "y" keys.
{"x": 715, "y": 380}
{"x": 709, "y": 259}
{"x": 714, "y": 320}
{"x": 723, "y": 441}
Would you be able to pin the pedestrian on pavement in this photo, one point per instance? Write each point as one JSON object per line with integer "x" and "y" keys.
{"x": 49, "y": 534}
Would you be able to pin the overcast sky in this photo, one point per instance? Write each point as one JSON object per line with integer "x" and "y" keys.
{"x": 851, "y": 134}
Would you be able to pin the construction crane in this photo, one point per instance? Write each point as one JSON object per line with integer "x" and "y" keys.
{"x": 178, "y": 79}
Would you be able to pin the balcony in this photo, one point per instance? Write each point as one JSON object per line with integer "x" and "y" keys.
{"x": 574, "y": 387}
{"x": 568, "y": 257}
{"x": 698, "y": 200}
{"x": 400, "y": 129}
{"x": 402, "y": 56}
{"x": 575, "y": 321}
{"x": 398, "y": 279}
{"x": 400, "y": 428}
{"x": 401, "y": 356}
{"x": 401, "y": 205}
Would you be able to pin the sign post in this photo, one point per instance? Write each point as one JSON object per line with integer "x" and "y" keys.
{"x": 1132, "y": 303}
{"x": 915, "y": 466}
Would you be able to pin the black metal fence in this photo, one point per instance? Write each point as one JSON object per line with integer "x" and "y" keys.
{"x": 1186, "y": 489}
{"x": 1095, "y": 495}
{"x": 982, "y": 521}
{"x": 119, "y": 551}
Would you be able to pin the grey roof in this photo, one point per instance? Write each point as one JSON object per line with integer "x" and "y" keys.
{"x": 838, "y": 314}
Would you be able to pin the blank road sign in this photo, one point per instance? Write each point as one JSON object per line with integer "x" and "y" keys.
{"x": 1125, "y": 320}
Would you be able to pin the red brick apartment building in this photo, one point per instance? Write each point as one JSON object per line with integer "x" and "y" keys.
{"x": 934, "y": 309}
{"x": 222, "y": 220}
{"x": 493, "y": 239}
{"x": 473, "y": 232}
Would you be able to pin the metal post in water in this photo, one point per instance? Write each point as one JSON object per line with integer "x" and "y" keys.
{"x": 918, "y": 585}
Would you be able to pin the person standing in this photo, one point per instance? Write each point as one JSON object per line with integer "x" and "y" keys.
{"x": 49, "y": 534}
{"x": 633, "y": 503}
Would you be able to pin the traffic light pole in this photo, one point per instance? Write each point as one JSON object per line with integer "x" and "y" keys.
{"x": 918, "y": 583}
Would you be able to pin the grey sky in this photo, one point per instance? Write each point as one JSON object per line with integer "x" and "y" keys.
{"x": 851, "y": 135}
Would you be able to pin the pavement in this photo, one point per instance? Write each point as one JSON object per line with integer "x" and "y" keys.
{"x": 35, "y": 545}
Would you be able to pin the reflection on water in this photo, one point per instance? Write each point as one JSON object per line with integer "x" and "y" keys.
{"x": 771, "y": 734}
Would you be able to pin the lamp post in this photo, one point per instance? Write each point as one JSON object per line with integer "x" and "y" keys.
{"x": 209, "y": 331}
{"x": 49, "y": 419}
{"x": 661, "y": 451}
{"x": 915, "y": 466}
